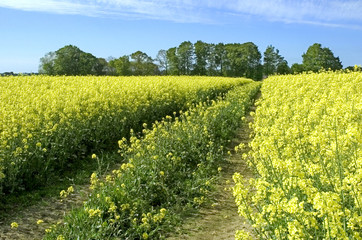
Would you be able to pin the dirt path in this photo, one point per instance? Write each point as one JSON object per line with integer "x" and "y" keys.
{"x": 221, "y": 221}
{"x": 49, "y": 211}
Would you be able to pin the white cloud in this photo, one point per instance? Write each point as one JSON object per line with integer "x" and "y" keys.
{"x": 323, "y": 10}
{"x": 52, "y": 6}
{"x": 333, "y": 13}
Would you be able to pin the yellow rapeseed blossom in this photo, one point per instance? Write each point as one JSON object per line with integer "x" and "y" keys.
{"x": 93, "y": 180}
{"x": 63, "y": 194}
{"x": 43, "y": 116}
{"x": 14, "y": 225}
{"x": 307, "y": 156}
{"x": 126, "y": 197}
{"x": 60, "y": 237}
{"x": 94, "y": 213}
{"x": 70, "y": 189}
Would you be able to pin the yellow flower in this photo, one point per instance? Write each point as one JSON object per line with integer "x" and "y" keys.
{"x": 39, "y": 221}
{"x": 14, "y": 225}
{"x": 60, "y": 237}
{"x": 125, "y": 206}
{"x": 94, "y": 156}
{"x": 63, "y": 194}
{"x": 112, "y": 208}
{"x": 94, "y": 213}
{"x": 70, "y": 189}
{"x": 163, "y": 210}
{"x": 162, "y": 173}
{"x": 145, "y": 235}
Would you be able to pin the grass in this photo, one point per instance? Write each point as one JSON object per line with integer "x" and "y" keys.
{"x": 78, "y": 174}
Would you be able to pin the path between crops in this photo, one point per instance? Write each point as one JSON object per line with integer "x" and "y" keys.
{"x": 221, "y": 221}
{"x": 49, "y": 211}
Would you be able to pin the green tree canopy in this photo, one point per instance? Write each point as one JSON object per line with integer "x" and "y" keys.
{"x": 283, "y": 68}
{"x": 317, "y": 58}
{"x": 297, "y": 68}
{"x": 162, "y": 60}
{"x": 121, "y": 66}
{"x": 70, "y": 60}
{"x": 201, "y": 57}
{"x": 47, "y": 64}
{"x": 142, "y": 64}
{"x": 101, "y": 67}
{"x": 185, "y": 54}
{"x": 274, "y": 62}
{"x": 243, "y": 60}
{"x": 219, "y": 58}
{"x": 173, "y": 61}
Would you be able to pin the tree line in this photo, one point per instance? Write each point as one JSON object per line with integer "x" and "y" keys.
{"x": 200, "y": 58}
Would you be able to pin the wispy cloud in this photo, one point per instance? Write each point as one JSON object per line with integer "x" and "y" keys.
{"x": 331, "y": 13}
{"x": 323, "y": 12}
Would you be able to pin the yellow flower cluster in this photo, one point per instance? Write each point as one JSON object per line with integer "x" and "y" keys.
{"x": 66, "y": 193}
{"x": 45, "y": 120}
{"x": 14, "y": 225}
{"x": 307, "y": 156}
{"x": 94, "y": 213}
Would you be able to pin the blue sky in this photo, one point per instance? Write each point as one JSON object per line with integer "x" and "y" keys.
{"x": 30, "y": 29}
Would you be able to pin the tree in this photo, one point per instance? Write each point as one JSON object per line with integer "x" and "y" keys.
{"x": 283, "y": 68}
{"x": 162, "y": 60}
{"x": 317, "y": 58}
{"x": 47, "y": 64}
{"x": 142, "y": 64}
{"x": 173, "y": 61}
{"x": 121, "y": 66}
{"x": 354, "y": 68}
{"x": 273, "y": 61}
{"x": 219, "y": 58}
{"x": 234, "y": 65}
{"x": 201, "y": 57}
{"x": 69, "y": 60}
{"x": 253, "y": 61}
{"x": 101, "y": 67}
{"x": 297, "y": 68}
{"x": 185, "y": 53}
{"x": 87, "y": 64}
{"x": 243, "y": 60}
